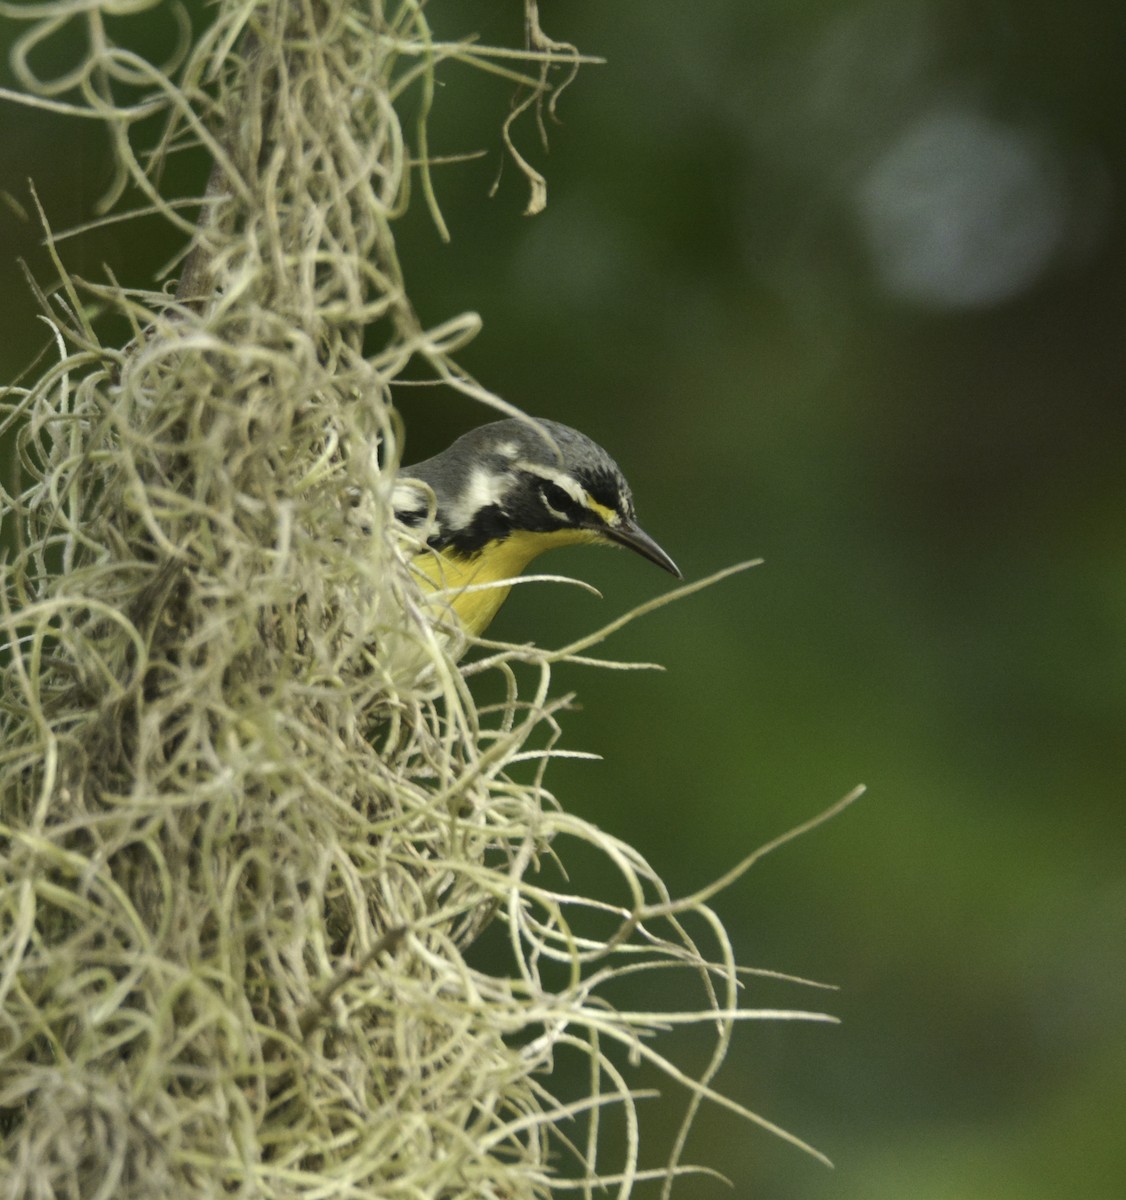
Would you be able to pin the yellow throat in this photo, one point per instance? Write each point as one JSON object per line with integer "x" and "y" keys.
{"x": 462, "y": 584}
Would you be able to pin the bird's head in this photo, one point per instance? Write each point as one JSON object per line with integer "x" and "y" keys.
{"x": 533, "y": 485}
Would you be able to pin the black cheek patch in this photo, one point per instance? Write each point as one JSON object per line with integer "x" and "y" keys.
{"x": 490, "y": 524}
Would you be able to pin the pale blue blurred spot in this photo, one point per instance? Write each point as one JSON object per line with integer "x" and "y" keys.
{"x": 963, "y": 211}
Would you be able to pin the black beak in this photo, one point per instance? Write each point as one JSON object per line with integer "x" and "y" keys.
{"x": 630, "y": 536}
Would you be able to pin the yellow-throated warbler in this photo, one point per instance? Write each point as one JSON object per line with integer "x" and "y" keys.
{"x": 504, "y": 493}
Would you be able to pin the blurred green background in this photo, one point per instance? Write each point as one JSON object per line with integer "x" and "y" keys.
{"x": 840, "y": 285}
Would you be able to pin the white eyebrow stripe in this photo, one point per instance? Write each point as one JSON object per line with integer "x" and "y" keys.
{"x": 571, "y": 486}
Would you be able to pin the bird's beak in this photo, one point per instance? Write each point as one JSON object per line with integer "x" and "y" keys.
{"x": 629, "y": 535}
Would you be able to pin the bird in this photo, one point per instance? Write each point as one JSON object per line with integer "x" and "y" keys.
{"x": 504, "y": 493}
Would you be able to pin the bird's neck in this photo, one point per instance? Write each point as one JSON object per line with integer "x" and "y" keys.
{"x": 471, "y": 585}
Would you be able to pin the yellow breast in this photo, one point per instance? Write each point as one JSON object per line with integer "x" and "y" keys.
{"x": 471, "y": 586}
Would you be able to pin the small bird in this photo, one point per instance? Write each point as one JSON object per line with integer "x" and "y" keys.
{"x": 504, "y": 493}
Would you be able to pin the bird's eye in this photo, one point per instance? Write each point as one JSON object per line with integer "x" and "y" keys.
{"x": 557, "y": 499}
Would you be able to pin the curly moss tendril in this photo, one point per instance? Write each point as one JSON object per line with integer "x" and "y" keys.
{"x": 252, "y": 820}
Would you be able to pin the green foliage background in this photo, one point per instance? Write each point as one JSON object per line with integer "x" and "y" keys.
{"x": 937, "y": 490}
